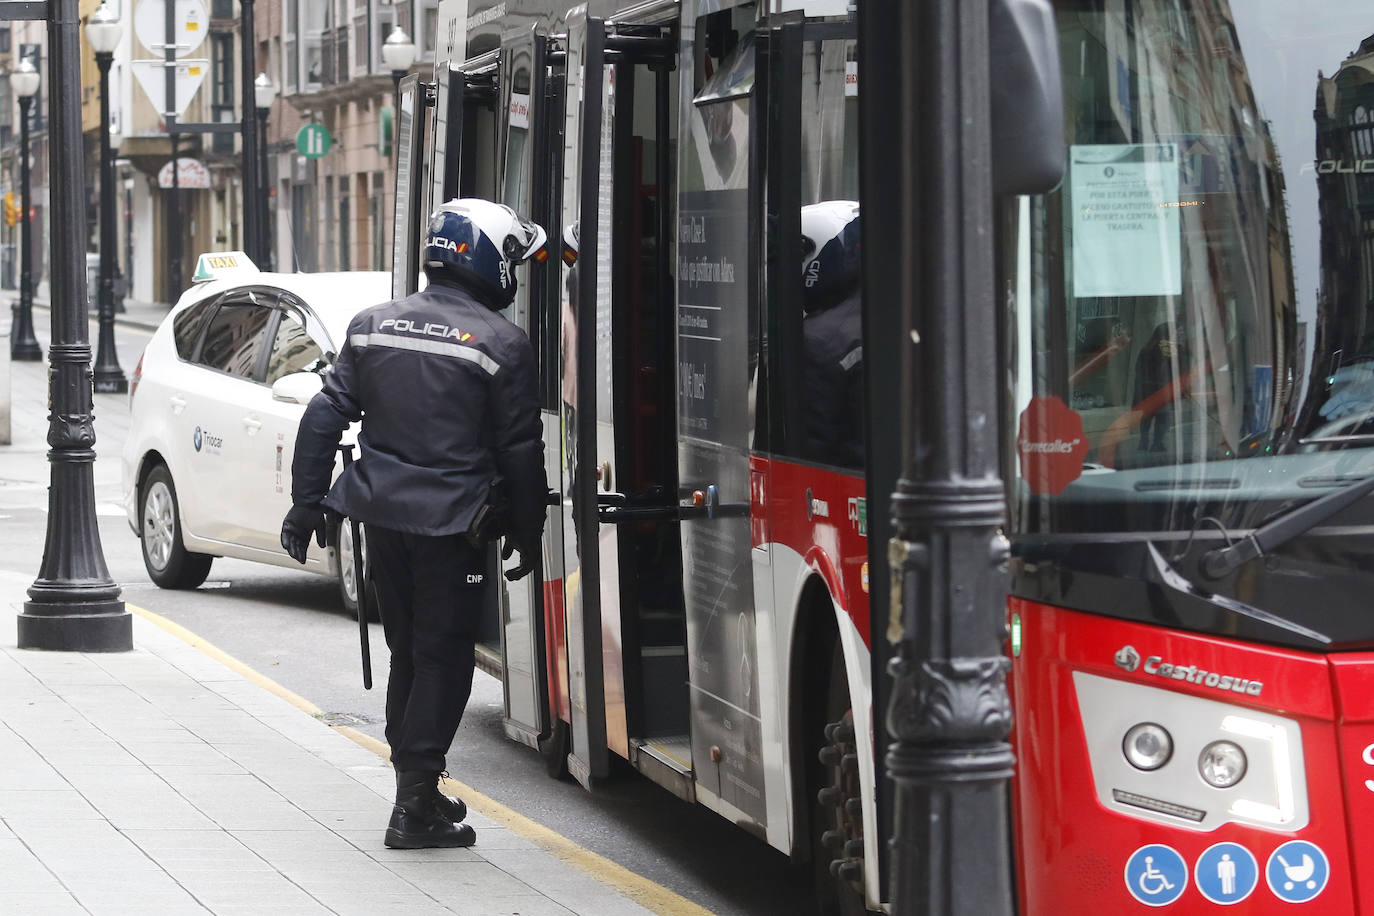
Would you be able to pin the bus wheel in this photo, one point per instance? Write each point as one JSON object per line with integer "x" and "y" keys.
{"x": 837, "y": 813}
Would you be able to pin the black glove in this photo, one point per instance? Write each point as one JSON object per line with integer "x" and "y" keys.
{"x": 525, "y": 566}
{"x": 296, "y": 528}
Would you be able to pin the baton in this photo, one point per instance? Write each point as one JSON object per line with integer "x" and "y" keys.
{"x": 360, "y": 586}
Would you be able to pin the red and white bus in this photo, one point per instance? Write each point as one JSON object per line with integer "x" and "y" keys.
{"x": 703, "y": 608}
{"x": 1191, "y": 331}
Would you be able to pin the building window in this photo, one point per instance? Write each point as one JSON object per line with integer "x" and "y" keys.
{"x": 329, "y": 252}
{"x": 222, "y": 88}
{"x": 222, "y": 9}
{"x": 376, "y": 216}
{"x": 345, "y": 226}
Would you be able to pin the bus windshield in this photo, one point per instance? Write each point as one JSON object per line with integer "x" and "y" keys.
{"x": 1191, "y": 313}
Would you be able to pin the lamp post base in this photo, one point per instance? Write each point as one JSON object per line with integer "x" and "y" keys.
{"x": 26, "y": 353}
{"x": 99, "y": 626}
{"x": 112, "y": 382}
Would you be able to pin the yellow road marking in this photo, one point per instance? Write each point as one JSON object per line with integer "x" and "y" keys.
{"x": 641, "y": 890}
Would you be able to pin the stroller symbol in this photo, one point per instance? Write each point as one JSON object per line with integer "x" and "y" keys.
{"x": 1300, "y": 873}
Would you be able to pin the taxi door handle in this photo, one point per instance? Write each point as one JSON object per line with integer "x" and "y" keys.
{"x": 252, "y": 424}
{"x": 178, "y": 403}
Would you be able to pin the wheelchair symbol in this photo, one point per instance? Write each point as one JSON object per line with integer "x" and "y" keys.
{"x": 1153, "y": 882}
{"x": 1156, "y": 875}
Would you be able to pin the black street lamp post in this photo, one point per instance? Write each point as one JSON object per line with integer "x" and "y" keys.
{"x": 264, "y": 94}
{"x": 23, "y": 345}
{"x": 73, "y": 605}
{"x": 103, "y": 33}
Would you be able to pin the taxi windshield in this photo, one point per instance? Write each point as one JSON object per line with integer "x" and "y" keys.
{"x": 1192, "y": 310}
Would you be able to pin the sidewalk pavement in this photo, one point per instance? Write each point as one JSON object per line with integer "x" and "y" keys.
{"x": 171, "y": 780}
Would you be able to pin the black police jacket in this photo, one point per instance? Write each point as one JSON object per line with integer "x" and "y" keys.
{"x": 447, "y": 391}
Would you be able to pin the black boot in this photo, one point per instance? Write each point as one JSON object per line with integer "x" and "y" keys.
{"x": 450, "y": 809}
{"x": 415, "y": 824}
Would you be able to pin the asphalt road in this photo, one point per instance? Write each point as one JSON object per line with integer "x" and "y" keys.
{"x": 289, "y": 626}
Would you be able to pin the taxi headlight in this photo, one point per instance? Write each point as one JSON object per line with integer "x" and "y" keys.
{"x": 1222, "y": 764}
{"x": 1147, "y": 746}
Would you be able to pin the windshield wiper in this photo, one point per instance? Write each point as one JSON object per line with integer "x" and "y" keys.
{"x": 1222, "y": 560}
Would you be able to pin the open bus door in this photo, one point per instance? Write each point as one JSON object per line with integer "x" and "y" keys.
{"x": 586, "y": 92}
{"x": 626, "y": 643}
{"x": 523, "y": 89}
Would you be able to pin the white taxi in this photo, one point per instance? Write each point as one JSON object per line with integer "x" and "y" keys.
{"x": 214, "y": 405}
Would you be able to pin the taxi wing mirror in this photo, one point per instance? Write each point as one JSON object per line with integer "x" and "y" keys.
{"x": 1028, "y": 151}
{"x": 297, "y": 388}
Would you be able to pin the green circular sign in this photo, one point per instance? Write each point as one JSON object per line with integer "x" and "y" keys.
{"x": 313, "y": 141}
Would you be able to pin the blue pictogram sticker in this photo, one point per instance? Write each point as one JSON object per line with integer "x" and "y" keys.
{"x": 1226, "y": 873}
{"x": 1156, "y": 875}
{"x": 196, "y": 438}
{"x": 1297, "y": 871}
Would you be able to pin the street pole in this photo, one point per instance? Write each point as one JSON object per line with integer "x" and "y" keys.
{"x": 23, "y": 345}
{"x": 252, "y": 227}
{"x": 109, "y": 377}
{"x": 949, "y": 714}
{"x": 264, "y": 197}
{"x": 73, "y": 604}
{"x": 174, "y": 223}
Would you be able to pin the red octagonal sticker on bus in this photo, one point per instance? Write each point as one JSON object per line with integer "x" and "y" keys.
{"x": 1051, "y": 445}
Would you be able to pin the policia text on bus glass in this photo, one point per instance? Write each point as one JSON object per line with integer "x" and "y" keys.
{"x": 452, "y": 456}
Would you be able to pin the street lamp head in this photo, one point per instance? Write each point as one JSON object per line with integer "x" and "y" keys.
{"x": 398, "y": 51}
{"x": 264, "y": 92}
{"x": 24, "y": 79}
{"x": 104, "y": 30}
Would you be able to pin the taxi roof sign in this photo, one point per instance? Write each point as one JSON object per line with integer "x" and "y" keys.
{"x": 221, "y": 264}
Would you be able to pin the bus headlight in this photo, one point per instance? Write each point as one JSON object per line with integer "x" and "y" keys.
{"x": 1222, "y": 764}
{"x": 1147, "y": 746}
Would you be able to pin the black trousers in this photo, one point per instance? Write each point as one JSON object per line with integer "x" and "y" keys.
{"x": 431, "y": 591}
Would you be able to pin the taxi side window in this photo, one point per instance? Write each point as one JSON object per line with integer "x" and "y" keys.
{"x": 293, "y": 350}
{"x": 187, "y": 326}
{"x": 233, "y": 341}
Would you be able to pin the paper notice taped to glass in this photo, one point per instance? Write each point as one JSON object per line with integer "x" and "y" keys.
{"x": 1125, "y": 220}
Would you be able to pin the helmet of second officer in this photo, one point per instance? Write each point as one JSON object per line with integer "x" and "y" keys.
{"x": 480, "y": 243}
{"x": 830, "y": 252}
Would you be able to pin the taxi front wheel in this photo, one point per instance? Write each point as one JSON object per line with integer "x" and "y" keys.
{"x": 169, "y": 563}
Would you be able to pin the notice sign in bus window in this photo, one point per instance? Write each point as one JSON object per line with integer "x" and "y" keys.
{"x": 1125, "y": 220}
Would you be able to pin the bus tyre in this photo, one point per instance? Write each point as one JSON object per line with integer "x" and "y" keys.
{"x": 837, "y": 829}
{"x": 169, "y": 563}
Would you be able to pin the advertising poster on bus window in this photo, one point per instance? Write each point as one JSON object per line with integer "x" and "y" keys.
{"x": 1126, "y": 230}
{"x": 713, "y": 422}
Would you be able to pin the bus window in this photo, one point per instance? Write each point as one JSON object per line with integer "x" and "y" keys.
{"x": 816, "y": 396}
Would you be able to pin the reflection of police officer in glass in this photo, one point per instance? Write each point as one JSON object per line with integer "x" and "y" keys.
{"x": 833, "y": 333}
{"x": 446, "y": 390}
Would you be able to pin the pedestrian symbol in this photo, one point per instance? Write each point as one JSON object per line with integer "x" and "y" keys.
{"x": 1156, "y": 875}
{"x": 1226, "y": 873}
{"x": 313, "y": 140}
{"x": 1297, "y": 871}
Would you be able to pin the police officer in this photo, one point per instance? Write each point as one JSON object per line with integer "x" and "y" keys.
{"x": 451, "y": 441}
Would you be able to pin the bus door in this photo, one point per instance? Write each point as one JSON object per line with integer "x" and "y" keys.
{"x": 716, "y": 284}
{"x": 625, "y": 629}
{"x": 526, "y": 182}
{"x": 461, "y": 162}
{"x": 586, "y": 94}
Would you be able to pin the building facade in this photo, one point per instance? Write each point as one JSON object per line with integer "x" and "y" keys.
{"x": 334, "y": 211}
